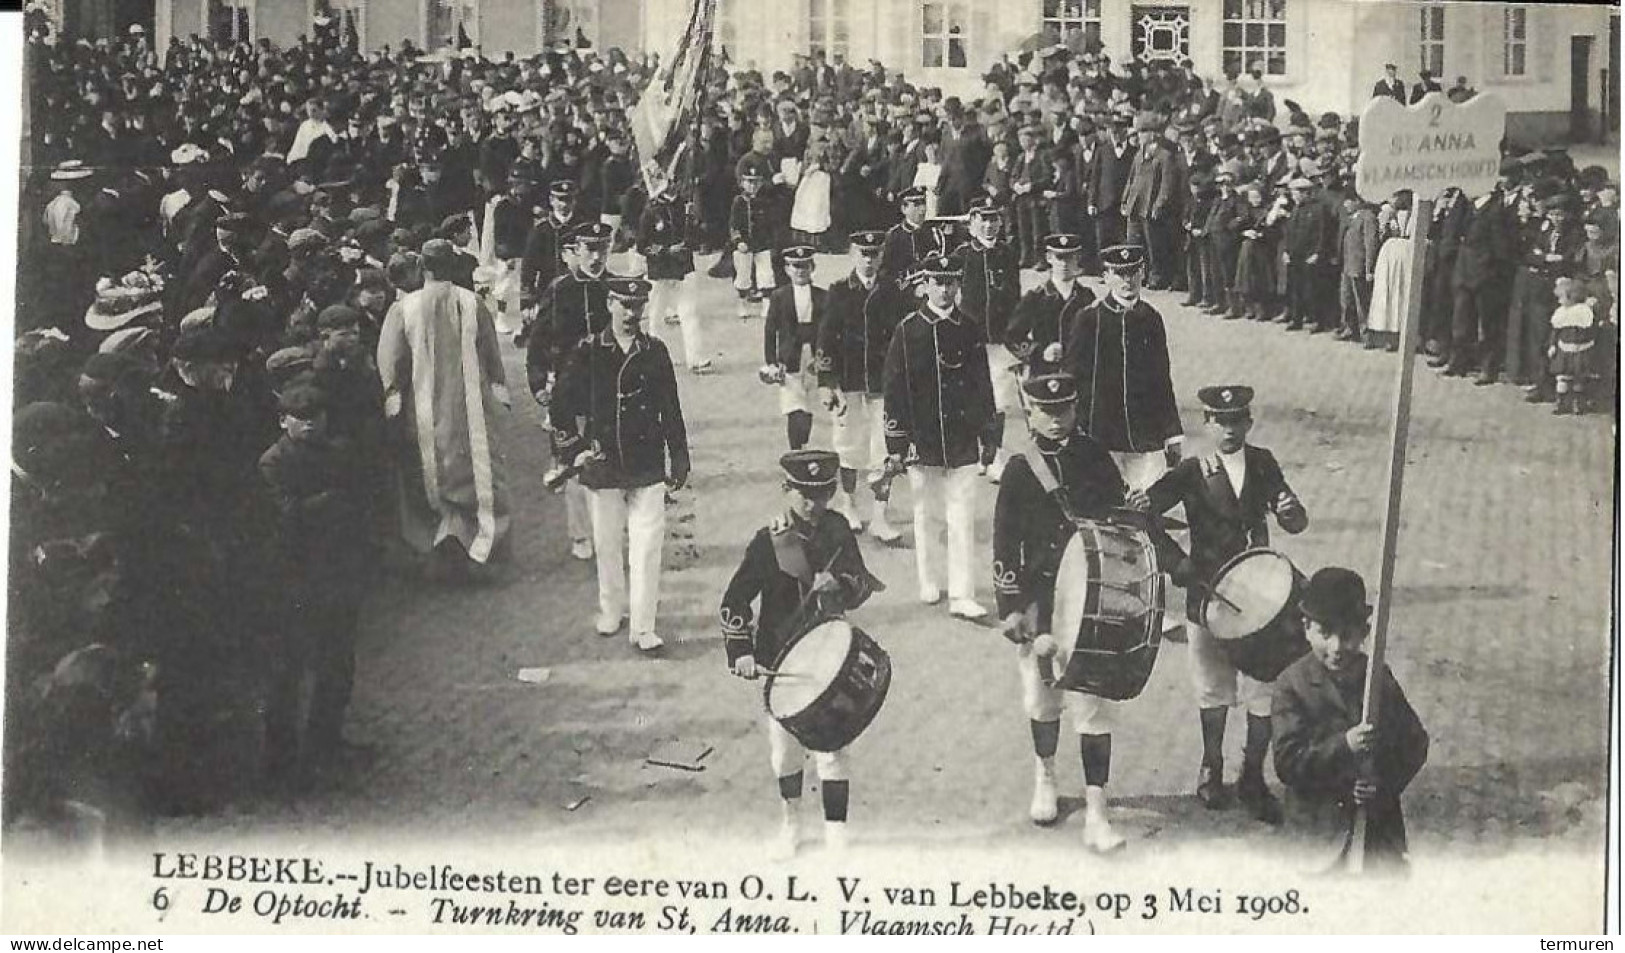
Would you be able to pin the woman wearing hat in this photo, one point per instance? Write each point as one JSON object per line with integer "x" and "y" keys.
{"x": 1330, "y": 758}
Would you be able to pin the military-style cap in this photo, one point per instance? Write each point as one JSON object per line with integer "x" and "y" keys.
{"x": 562, "y": 189}
{"x": 1224, "y": 399}
{"x": 628, "y": 289}
{"x": 939, "y": 266}
{"x": 303, "y": 400}
{"x": 868, "y": 242}
{"x": 983, "y": 207}
{"x": 1050, "y": 389}
{"x": 1123, "y": 257}
{"x": 799, "y": 255}
{"x": 811, "y": 469}
{"x": 1063, "y": 243}
{"x": 591, "y": 233}
{"x": 912, "y": 196}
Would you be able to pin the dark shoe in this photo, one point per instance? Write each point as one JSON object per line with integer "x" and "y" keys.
{"x": 1537, "y": 397}
{"x": 1294, "y": 325}
{"x": 1190, "y": 303}
{"x": 1485, "y": 379}
{"x": 1318, "y": 329}
{"x": 1438, "y": 360}
{"x": 1211, "y": 789}
{"x": 1454, "y": 370}
{"x": 1256, "y": 797}
{"x": 1344, "y": 334}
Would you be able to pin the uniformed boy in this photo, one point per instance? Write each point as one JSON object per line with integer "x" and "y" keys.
{"x": 1045, "y": 316}
{"x": 1228, "y": 495}
{"x": 789, "y": 337}
{"x": 805, "y": 568}
{"x": 1064, "y": 476}
{"x": 1330, "y": 757}
{"x": 908, "y": 241}
{"x": 861, "y": 314}
{"x": 635, "y": 428}
{"x": 939, "y": 422}
{"x": 751, "y": 230}
{"x": 989, "y": 295}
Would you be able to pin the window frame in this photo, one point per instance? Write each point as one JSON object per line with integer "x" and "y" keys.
{"x": 1266, "y": 50}
{"x": 247, "y": 6}
{"x": 821, "y": 29}
{"x": 339, "y": 7}
{"x": 946, "y": 36}
{"x": 1432, "y": 27}
{"x": 1509, "y": 43}
{"x": 1087, "y": 22}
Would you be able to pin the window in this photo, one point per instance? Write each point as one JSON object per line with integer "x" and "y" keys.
{"x": 726, "y": 32}
{"x": 229, "y": 21}
{"x": 1432, "y": 40}
{"x": 1068, "y": 18}
{"x": 347, "y": 18}
{"x": 1515, "y": 41}
{"x": 829, "y": 28}
{"x": 1255, "y": 32}
{"x": 943, "y": 37}
{"x": 453, "y": 24}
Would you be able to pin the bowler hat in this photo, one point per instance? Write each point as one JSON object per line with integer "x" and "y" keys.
{"x": 1335, "y": 597}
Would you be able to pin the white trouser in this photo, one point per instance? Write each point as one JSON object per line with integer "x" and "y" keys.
{"x": 860, "y": 433}
{"x": 1006, "y": 386}
{"x": 799, "y": 389}
{"x": 577, "y": 510}
{"x": 668, "y": 295}
{"x": 1217, "y": 683}
{"x": 1140, "y": 470}
{"x": 789, "y": 757}
{"x": 1091, "y": 714}
{"x": 763, "y": 263}
{"x": 944, "y": 494}
{"x": 505, "y": 296}
{"x": 636, "y": 517}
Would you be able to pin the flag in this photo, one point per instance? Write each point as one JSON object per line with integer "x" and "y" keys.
{"x": 668, "y": 109}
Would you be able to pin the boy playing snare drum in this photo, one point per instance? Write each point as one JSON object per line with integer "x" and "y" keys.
{"x": 1227, "y": 495}
{"x": 807, "y": 568}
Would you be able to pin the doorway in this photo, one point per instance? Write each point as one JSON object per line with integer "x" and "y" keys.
{"x": 1580, "y": 125}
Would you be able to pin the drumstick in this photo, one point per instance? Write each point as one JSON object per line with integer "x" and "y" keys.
{"x": 1216, "y": 594}
{"x": 767, "y": 671}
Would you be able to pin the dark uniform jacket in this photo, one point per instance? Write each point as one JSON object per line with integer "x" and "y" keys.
{"x": 1311, "y": 712}
{"x": 1031, "y": 527}
{"x": 992, "y": 286}
{"x": 573, "y": 308}
{"x": 626, "y": 403}
{"x": 1484, "y": 253}
{"x": 1221, "y": 524}
{"x": 779, "y": 565}
{"x": 544, "y": 256}
{"x": 1119, "y": 354}
{"x": 938, "y": 391}
{"x": 784, "y": 334}
{"x": 904, "y": 247}
{"x": 752, "y": 221}
{"x": 511, "y": 230}
{"x": 856, "y": 333}
{"x": 662, "y": 240}
{"x": 1042, "y": 317}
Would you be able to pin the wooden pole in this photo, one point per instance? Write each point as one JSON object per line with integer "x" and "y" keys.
{"x": 1409, "y": 333}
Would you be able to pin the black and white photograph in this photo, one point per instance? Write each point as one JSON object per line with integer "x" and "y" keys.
{"x": 820, "y": 466}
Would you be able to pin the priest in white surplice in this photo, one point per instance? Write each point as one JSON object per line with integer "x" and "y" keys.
{"x": 443, "y": 383}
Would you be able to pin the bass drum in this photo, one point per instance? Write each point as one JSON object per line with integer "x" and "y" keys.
{"x": 1252, "y": 612}
{"x": 1107, "y": 621}
{"x": 829, "y": 686}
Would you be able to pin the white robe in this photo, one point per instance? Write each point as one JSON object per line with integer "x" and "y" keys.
{"x": 443, "y": 379}
{"x": 1391, "y": 283}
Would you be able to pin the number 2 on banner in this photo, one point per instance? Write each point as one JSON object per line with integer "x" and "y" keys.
{"x": 1434, "y": 112}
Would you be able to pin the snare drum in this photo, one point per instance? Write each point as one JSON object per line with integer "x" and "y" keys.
{"x": 1252, "y": 612}
{"x": 1107, "y": 620}
{"x": 829, "y": 686}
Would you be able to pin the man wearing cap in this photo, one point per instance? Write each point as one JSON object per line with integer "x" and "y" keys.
{"x": 907, "y": 242}
{"x": 939, "y": 411}
{"x": 546, "y": 247}
{"x": 1031, "y": 175}
{"x": 990, "y": 296}
{"x": 1552, "y": 249}
{"x": 806, "y": 568}
{"x": 753, "y": 234}
{"x": 789, "y": 335}
{"x": 222, "y": 257}
{"x": 861, "y": 313}
{"x": 505, "y": 228}
{"x": 1045, "y": 316}
{"x": 1330, "y": 758}
{"x": 632, "y": 445}
{"x": 1150, "y": 200}
{"x": 1220, "y": 246}
{"x": 443, "y": 381}
{"x": 1228, "y": 495}
{"x": 1103, "y": 192}
{"x": 1060, "y": 477}
{"x": 663, "y": 241}
{"x": 1306, "y": 242}
{"x": 1481, "y": 282}
{"x": 1117, "y": 349}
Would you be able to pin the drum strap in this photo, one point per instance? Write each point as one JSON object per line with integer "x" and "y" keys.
{"x": 1046, "y": 478}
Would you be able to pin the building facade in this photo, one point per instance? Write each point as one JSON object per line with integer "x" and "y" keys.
{"x": 1555, "y": 66}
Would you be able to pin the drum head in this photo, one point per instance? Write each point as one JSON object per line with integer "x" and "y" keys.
{"x": 1249, "y": 593}
{"x": 809, "y": 668}
{"x": 1108, "y": 575}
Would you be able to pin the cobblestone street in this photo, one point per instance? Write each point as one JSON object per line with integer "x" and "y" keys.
{"x": 1500, "y": 635}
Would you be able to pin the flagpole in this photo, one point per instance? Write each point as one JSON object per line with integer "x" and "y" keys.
{"x": 1410, "y": 332}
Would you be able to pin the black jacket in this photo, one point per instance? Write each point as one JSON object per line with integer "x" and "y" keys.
{"x": 856, "y": 333}
{"x": 626, "y": 403}
{"x": 938, "y": 390}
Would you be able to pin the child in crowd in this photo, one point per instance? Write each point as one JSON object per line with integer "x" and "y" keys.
{"x": 1571, "y": 353}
